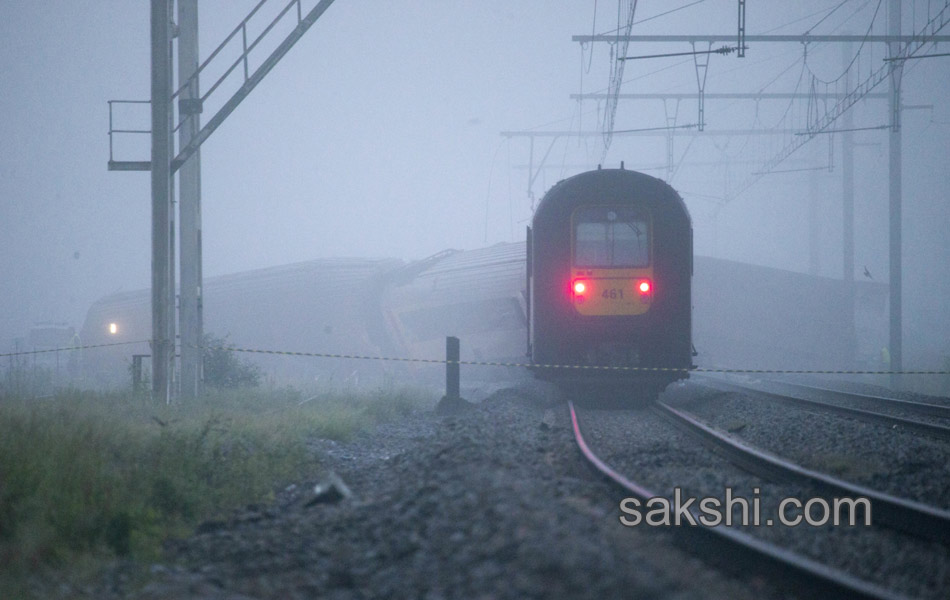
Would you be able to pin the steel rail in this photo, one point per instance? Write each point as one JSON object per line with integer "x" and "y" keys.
{"x": 923, "y": 409}
{"x": 938, "y": 431}
{"x": 911, "y": 517}
{"x": 745, "y": 549}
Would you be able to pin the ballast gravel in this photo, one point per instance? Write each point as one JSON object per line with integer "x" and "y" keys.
{"x": 901, "y": 463}
{"x": 494, "y": 503}
{"x": 855, "y": 451}
{"x": 498, "y": 503}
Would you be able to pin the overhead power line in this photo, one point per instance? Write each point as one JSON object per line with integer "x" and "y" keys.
{"x": 842, "y": 130}
{"x": 819, "y": 124}
{"x": 717, "y": 96}
{"x": 918, "y": 56}
{"x": 802, "y": 38}
{"x": 667, "y": 128}
{"x": 723, "y": 50}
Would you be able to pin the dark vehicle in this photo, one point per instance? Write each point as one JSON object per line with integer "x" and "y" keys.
{"x": 609, "y": 267}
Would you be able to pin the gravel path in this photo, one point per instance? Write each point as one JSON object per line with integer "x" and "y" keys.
{"x": 494, "y": 503}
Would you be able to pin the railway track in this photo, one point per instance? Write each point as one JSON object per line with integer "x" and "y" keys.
{"x": 914, "y": 518}
{"x": 802, "y": 573}
{"x": 923, "y": 409}
{"x": 935, "y": 430}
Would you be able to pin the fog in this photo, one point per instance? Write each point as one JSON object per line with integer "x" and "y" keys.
{"x": 379, "y": 135}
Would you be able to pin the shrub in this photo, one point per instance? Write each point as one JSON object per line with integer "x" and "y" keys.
{"x": 223, "y": 369}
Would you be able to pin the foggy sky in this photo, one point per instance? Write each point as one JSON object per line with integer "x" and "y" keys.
{"x": 378, "y": 135}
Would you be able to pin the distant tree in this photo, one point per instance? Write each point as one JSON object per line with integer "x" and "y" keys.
{"x": 222, "y": 367}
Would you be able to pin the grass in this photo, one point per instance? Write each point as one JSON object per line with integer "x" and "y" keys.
{"x": 86, "y": 477}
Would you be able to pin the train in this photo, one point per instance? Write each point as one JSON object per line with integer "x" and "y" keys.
{"x": 609, "y": 272}
{"x": 606, "y": 277}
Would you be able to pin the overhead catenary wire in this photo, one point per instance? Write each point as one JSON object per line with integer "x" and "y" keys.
{"x": 799, "y": 170}
{"x": 856, "y": 54}
{"x": 824, "y": 18}
{"x": 672, "y": 10}
{"x": 871, "y": 128}
{"x": 657, "y": 16}
{"x": 593, "y": 27}
{"x": 723, "y": 50}
{"x": 616, "y": 74}
{"x": 917, "y": 56}
{"x": 805, "y": 18}
{"x": 664, "y": 128}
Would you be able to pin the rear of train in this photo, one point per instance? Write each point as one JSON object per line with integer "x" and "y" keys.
{"x": 609, "y": 279}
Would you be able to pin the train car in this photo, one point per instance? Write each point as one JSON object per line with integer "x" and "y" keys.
{"x": 609, "y": 270}
{"x": 328, "y": 305}
{"x": 477, "y": 296}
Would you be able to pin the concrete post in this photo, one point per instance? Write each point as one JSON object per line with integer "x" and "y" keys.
{"x": 452, "y": 374}
{"x": 163, "y": 347}
{"x": 895, "y": 345}
{"x": 191, "y": 326}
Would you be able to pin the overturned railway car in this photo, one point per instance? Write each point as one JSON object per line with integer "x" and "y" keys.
{"x": 319, "y": 306}
{"x": 477, "y": 296}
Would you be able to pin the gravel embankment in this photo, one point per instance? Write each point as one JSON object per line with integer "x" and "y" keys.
{"x": 495, "y": 503}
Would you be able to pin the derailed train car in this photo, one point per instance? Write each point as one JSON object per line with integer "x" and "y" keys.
{"x": 319, "y": 306}
{"x": 477, "y": 296}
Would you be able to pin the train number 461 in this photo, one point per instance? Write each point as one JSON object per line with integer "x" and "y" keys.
{"x": 613, "y": 294}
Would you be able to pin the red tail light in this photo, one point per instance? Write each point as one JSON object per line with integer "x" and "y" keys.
{"x": 579, "y": 291}
{"x": 644, "y": 286}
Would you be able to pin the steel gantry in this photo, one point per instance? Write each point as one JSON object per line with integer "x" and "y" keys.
{"x": 164, "y": 163}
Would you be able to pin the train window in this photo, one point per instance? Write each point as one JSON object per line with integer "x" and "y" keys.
{"x": 611, "y": 237}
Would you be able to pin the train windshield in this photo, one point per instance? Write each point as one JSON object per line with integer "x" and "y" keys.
{"x": 611, "y": 237}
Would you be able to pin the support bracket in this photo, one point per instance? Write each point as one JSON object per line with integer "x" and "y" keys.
{"x": 740, "y": 43}
{"x": 701, "y": 62}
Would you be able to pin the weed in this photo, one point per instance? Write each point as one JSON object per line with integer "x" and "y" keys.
{"x": 87, "y": 474}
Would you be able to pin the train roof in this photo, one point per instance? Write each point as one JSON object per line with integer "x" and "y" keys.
{"x": 337, "y": 270}
{"x": 478, "y": 273}
{"x": 579, "y": 188}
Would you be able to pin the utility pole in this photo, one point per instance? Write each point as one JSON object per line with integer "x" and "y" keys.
{"x": 847, "y": 201}
{"x": 894, "y": 204}
{"x": 163, "y": 227}
{"x": 189, "y": 186}
{"x": 814, "y": 224}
